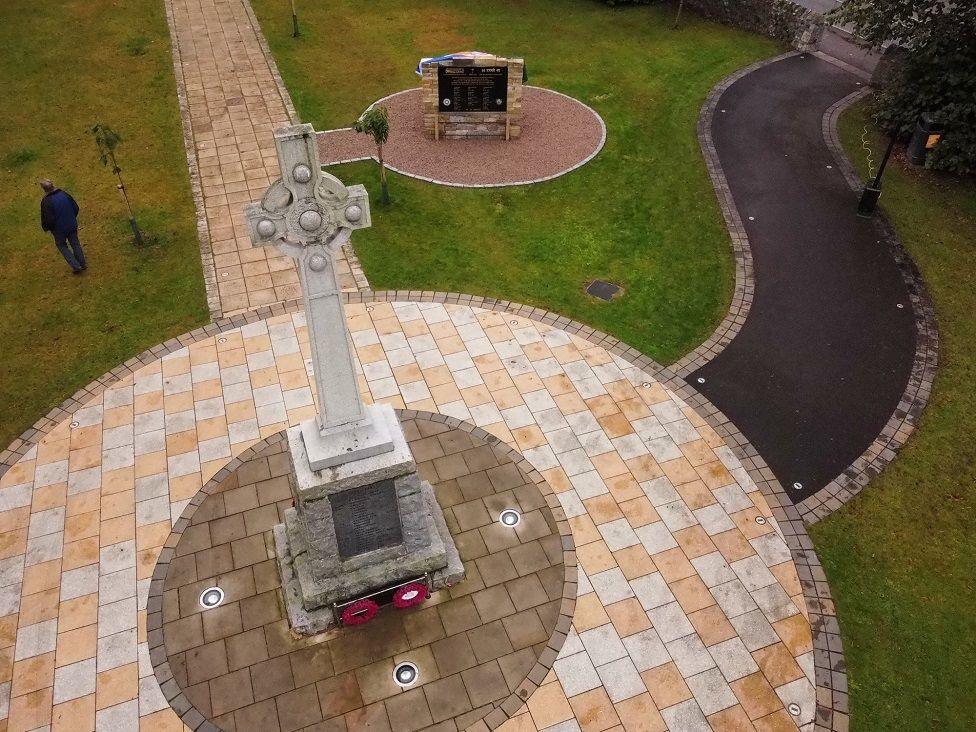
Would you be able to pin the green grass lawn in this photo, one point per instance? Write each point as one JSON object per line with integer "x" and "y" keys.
{"x": 643, "y": 213}
{"x": 64, "y": 66}
{"x": 900, "y": 556}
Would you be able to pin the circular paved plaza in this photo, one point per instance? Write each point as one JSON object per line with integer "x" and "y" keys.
{"x": 687, "y": 611}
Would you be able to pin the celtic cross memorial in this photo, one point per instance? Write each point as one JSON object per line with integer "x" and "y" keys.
{"x": 363, "y": 519}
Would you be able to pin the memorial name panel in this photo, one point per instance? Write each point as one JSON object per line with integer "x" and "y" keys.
{"x": 366, "y": 518}
{"x": 472, "y": 88}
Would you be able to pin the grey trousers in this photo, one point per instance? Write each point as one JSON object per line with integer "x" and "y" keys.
{"x": 74, "y": 255}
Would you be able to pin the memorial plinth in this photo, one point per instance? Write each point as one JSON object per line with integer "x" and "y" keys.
{"x": 358, "y": 527}
{"x": 363, "y": 519}
{"x": 472, "y": 95}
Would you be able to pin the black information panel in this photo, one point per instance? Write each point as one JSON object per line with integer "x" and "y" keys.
{"x": 472, "y": 88}
{"x": 366, "y": 518}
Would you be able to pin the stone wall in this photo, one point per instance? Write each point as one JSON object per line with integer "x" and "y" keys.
{"x": 783, "y": 20}
{"x": 473, "y": 124}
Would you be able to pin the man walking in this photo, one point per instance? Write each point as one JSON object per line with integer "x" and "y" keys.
{"x": 59, "y": 215}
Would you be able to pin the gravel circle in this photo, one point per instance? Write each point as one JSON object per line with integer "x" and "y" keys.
{"x": 559, "y": 134}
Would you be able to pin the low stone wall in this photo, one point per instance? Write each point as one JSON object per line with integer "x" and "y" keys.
{"x": 783, "y": 20}
{"x": 473, "y": 124}
{"x": 780, "y": 19}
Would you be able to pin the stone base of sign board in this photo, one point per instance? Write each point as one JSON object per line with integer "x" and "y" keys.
{"x": 473, "y": 124}
{"x": 356, "y": 528}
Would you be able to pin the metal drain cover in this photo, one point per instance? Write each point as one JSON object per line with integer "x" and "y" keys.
{"x": 603, "y": 290}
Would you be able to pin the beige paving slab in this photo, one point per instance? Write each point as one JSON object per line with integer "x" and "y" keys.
{"x": 689, "y": 612}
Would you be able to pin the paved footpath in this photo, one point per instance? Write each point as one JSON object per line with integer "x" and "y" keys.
{"x": 825, "y": 354}
{"x": 232, "y": 101}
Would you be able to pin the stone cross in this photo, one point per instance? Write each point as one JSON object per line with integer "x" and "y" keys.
{"x": 309, "y": 214}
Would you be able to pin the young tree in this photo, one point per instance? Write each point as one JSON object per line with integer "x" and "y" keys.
{"x": 677, "y": 16}
{"x": 294, "y": 21}
{"x": 375, "y": 122}
{"x": 936, "y": 74}
{"x": 108, "y": 140}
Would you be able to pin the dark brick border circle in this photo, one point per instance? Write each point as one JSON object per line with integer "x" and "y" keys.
{"x": 195, "y": 720}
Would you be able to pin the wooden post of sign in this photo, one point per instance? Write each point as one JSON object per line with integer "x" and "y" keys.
{"x": 508, "y": 126}
{"x": 437, "y": 119}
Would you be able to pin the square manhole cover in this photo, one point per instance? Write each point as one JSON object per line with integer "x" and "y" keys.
{"x": 603, "y": 290}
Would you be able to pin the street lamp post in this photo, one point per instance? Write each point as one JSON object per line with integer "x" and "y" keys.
{"x": 872, "y": 191}
{"x": 926, "y": 136}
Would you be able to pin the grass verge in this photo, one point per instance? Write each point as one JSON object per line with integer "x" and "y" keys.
{"x": 642, "y": 213}
{"x": 65, "y": 66}
{"x": 899, "y": 557}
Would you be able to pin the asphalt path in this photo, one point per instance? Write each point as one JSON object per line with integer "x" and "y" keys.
{"x": 826, "y": 352}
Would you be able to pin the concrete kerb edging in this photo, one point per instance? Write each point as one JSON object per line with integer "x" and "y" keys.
{"x": 436, "y": 181}
{"x": 904, "y": 418}
{"x": 269, "y": 59}
{"x": 196, "y": 186}
{"x": 849, "y": 68}
{"x": 829, "y": 664}
{"x": 159, "y": 658}
{"x": 744, "y": 284}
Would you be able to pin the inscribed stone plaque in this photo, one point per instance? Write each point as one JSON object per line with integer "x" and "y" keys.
{"x": 366, "y": 518}
{"x": 472, "y": 88}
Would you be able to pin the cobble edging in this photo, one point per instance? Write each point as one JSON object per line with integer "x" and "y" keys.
{"x": 269, "y": 60}
{"x": 742, "y": 253}
{"x": 830, "y": 667}
{"x": 904, "y": 418}
{"x": 196, "y": 186}
{"x": 504, "y": 710}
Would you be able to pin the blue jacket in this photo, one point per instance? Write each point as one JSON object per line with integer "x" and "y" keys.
{"x": 59, "y": 212}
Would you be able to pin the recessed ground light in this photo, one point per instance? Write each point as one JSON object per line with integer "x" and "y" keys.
{"x": 752, "y": 218}
{"x": 794, "y": 709}
{"x": 830, "y": 167}
{"x": 405, "y": 674}
{"x": 510, "y": 517}
{"x": 722, "y": 110}
{"x": 700, "y": 379}
{"x": 221, "y": 340}
{"x": 74, "y": 424}
{"x": 211, "y": 597}
{"x": 514, "y": 322}
{"x": 899, "y": 306}
{"x": 646, "y": 385}
{"x": 760, "y": 520}
{"x": 369, "y": 308}
{"x": 798, "y": 485}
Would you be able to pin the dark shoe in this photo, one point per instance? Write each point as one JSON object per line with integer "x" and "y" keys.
{"x": 76, "y": 271}
{"x": 84, "y": 267}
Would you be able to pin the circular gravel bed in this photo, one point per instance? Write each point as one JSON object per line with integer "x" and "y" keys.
{"x": 559, "y": 134}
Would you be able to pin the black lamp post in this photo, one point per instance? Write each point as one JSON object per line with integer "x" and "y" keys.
{"x": 872, "y": 191}
{"x": 926, "y": 136}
